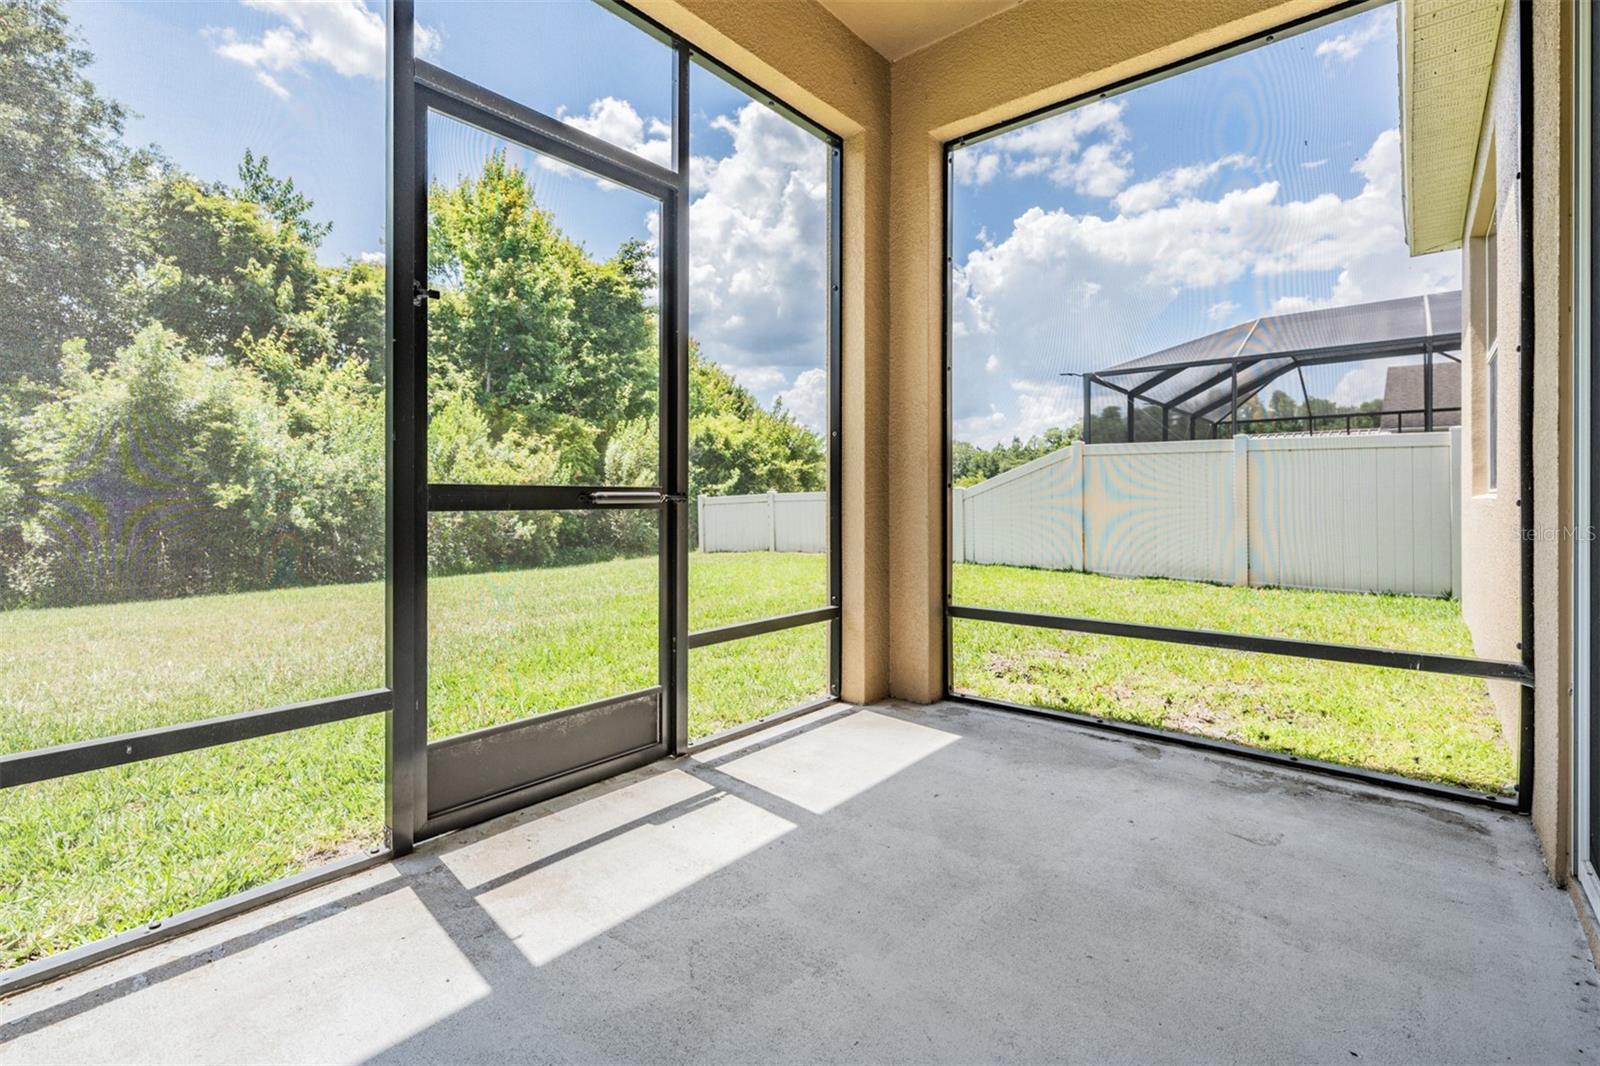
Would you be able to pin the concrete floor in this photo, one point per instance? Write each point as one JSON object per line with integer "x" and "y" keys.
{"x": 889, "y": 884}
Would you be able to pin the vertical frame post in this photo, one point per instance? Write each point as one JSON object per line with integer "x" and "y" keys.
{"x": 947, "y": 410}
{"x": 405, "y": 511}
{"x": 1525, "y": 397}
{"x": 1427, "y": 387}
{"x": 1088, "y": 399}
{"x": 1233, "y": 399}
{"x": 835, "y": 412}
{"x": 674, "y": 424}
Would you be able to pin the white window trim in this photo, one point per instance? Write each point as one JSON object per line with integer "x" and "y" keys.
{"x": 1491, "y": 428}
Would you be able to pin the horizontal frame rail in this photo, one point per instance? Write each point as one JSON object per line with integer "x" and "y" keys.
{"x": 721, "y": 635}
{"x": 443, "y": 497}
{"x": 468, "y": 102}
{"x": 1459, "y": 665}
{"x": 1227, "y": 747}
{"x": 42, "y": 764}
{"x": 745, "y": 729}
{"x": 51, "y": 967}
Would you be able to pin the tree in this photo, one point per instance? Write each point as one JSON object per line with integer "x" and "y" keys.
{"x": 161, "y": 474}
{"x": 548, "y": 334}
{"x": 349, "y": 306}
{"x": 735, "y": 445}
{"x": 970, "y": 464}
{"x": 217, "y": 269}
{"x": 62, "y": 169}
{"x": 282, "y": 202}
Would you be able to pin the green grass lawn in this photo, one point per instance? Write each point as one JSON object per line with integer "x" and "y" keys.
{"x": 1428, "y": 726}
{"x": 107, "y": 851}
{"x": 102, "y": 852}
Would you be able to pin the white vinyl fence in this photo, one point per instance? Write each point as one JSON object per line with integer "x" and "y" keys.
{"x": 1369, "y": 513}
{"x": 1378, "y": 512}
{"x": 768, "y": 521}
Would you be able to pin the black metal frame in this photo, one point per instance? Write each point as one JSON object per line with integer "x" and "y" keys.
{"x": 1228, "y": 370}
{"x": 1521, "y": 673}
{"x": 415, "y": 88}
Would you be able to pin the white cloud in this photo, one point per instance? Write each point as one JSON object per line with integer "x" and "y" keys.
{"x": 1171, "y": 184}
{"x": 1083, "y": 149}
{"x": 758, "y": 255}
{"x": 616, "y": 122}
{"x": 1346, "y": 46}
{"x": 761, "y": 380}
{"x": 992, "y": 363}
{"x": 1065, "y": 292}
{"x": 346, "y": 36}
{"x": 807, "y": 399}
{"x": 976, "y": 168}
{"x": 1313, "y": 164}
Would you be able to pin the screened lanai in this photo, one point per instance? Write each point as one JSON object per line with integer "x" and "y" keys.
{"x": 1196, "y": 388}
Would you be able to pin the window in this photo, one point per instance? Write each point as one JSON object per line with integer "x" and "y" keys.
{"x": 192, "y": 490}
{"x": 1491, "y": 342}
{"x": 1202, "y": 392}
{"x": 760, "y": 418}
{"x": 202, "y": 460}
{"x": 1492, "y": 365}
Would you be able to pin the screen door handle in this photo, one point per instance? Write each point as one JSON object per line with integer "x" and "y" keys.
{"x": 627, "y": 497}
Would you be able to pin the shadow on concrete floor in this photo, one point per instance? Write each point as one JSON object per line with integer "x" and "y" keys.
{"x": 891, "y": 883}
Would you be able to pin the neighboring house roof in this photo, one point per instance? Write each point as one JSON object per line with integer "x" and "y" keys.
{"x": 1403, "y": 388}
{"x": 1196, "y": 376}
{"x": 1447, "y": 50}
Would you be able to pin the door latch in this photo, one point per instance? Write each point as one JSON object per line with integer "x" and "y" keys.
{"x": 421, "y": 294}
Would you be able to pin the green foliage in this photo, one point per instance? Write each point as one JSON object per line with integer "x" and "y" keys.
{"x": 545, "y": 332}
{"x": 735, "y": 446}
{"x": 159, "y": 475}
{"x": 192, "y": 403}
{"x": 216, "y": 269}
{"x": 279, "y": 199}
{"x": 461, "y": 451}
{"x": 349, "y": 307}
{"x": 62, "y": 167}
{"x": 970, "y": 464}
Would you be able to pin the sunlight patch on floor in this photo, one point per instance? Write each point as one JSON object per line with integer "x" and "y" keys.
{"x": 559, "y": 880}
{"x": 835, "y": 762}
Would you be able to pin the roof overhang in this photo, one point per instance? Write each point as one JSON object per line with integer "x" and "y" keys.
{"x": 1447, "y": 50}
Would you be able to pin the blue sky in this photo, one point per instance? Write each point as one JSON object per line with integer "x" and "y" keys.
{"x": 303, "y": 83}
{"x": 1265, "y": 182}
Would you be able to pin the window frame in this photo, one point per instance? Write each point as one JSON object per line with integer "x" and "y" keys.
{"x": 1518, "y": 672}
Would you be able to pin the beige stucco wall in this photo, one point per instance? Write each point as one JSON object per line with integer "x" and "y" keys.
{"x": 1553, "y": 168}
{"x": 1491, "y": 520}
{"x": 806, "y": 57}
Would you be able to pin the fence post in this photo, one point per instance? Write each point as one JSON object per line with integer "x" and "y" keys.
{"x": 700, "y": 521}
{"x": 772, "y": 521}
{"x": 1080, "y": 452}
{"x": 958, "y": 526}
{"x": 1456, "y": 478}
{"x": 1240, "y": 471}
